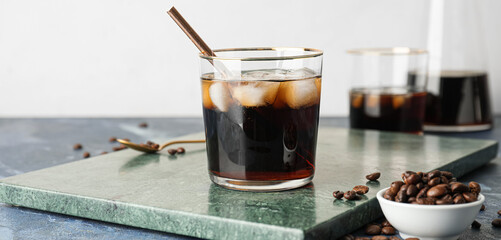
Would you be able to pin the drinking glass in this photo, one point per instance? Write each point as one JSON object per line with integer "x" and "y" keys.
{"x": 388, "y": 89}
{"x": 261, "y": 108}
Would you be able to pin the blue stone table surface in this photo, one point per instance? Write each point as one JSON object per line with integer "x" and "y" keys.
{"x": 32, "y": 144}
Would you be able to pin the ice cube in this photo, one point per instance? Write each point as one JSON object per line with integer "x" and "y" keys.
{"x": 220, "y": 96}
{"x": 301, "y": 73}
{"x": 296, "y": 94}
{"x": 254, "y": 93}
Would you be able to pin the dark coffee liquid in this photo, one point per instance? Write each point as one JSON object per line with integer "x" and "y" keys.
{"x": 263, "y": 143}
{"x": 387, "y": 109}
{"x": 462, "y": 99}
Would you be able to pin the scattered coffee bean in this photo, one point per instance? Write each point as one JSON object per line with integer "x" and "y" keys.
{"x": 172, "y": 151}
{"x": 474, "y": 187}
{"x": 143, "y": 125}
{"x": 338, "y": 194}
{"x": 102, "y": 153}
{"x": 373, "y": 229}
{"x": 379, "y": 237}
{"x": 388, "y": 231}
{"x": 499, "y": 212}
{"x": 112, "y": 139}
{"x": 482, "y": 208}
{"x": 475, "y": 224}
{"x": 386, "y": 223}
{"x": 181, "y": 150}
{"x": 361, "y": 189}
{"x": 86, "y": 154}
{"x": 350, "y": 195}
{"x": 155, "y": 146}
{"x": 121, "y": 147}
{"x": 496, "y": 222}
{"x": 373, "y": 176}
{"x": 77, "y": 146}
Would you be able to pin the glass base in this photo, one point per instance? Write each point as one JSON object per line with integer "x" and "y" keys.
{"x": 259, "y": 186}
{"x": 458, "y": 128}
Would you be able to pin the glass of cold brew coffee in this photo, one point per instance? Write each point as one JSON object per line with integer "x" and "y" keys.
{"x": 388, "y": 89}
{"x": 261, "y": 109}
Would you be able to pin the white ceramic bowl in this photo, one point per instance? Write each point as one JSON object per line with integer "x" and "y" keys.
{"x": 428, "y": 222}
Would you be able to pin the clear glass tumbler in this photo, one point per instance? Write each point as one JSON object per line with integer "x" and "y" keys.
{"x": 388, "y": 89}
{"x": 261, "y": 109}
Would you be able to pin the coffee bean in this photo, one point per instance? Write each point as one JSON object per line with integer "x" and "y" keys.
{"x": 401, "y": 196}
{"x": 446, "y": 174}
{"x": 387, "y": 195}
{"x": 412, "y": 191}
{"x": 394, "y": 238}
{"x": 373, "y": 176}
{"x": 474, "y": 187}
{"x": 404, "y": 188}
{"x": 395, "y": 187}
{"x": 86, "y": 154}
{"x": 143, "y": 125}
{"x": 172, "y": 151}
{"x": 459, "y": 199}
{"x": 453, "y": 180}
{"x": 338, "y": 194}
{"x": 77, "y": 146}
{"x": 434, "y": 181}
{"x": 422, "y": 192}
{"x": 424, "y": 179}
{"x": 412, "y": 179}
{"x": 433, "y": 174}
{"x": 181, "y": 150}
{"x": 361, "y": 189}
{"x": 426, "y": 201}
{"x": 496, "y": 222}
{"x": 386, "y": 223}
{"x": 457, "y": 187}
{"x": 388, "y": 231}
{"x": 350, "y": 195}
{"x": 121, "y": 147}
{"x": 447, "y": 199}
{"x": 482, "y": 208}
{"x": 379, "y": 237}
{"x": 470, "y": 197}
{"x": 443, "y": 179}
{"x": 475, "y": 224}
{"x": 499, "y": 212}
{"x": 347, "y": 237}
{"x": 155, "y": 146}
{"x": 437, "y": 191}
{"x": 420, "y": 185}
{"x": 112, "y": 139}
{"x": 373, "y": 229}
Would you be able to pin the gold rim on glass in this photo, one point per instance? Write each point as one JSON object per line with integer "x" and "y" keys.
{"x": 314, "y": 53}
{"x": 387, "y": 51}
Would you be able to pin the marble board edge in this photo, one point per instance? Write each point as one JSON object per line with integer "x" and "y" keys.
{"x": 164, "y": 220}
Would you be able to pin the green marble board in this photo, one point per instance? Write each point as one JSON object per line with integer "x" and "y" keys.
{"x": 174, "y": 193}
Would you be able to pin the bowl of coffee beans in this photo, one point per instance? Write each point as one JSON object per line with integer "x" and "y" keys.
{"x": 431, "y": 205}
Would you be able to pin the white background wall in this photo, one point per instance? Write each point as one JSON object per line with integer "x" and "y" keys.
{"x": 128, "y": 58}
